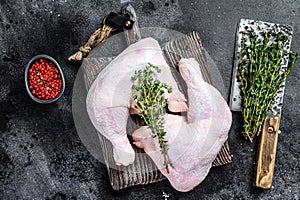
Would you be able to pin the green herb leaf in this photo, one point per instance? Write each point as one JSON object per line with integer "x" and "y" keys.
{"x": 147, "y": 95}
{"x": 261, "y": 76}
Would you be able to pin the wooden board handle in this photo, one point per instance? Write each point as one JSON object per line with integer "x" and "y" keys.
{"x": 267, "y": 153}
{"x": 133, "y": 35}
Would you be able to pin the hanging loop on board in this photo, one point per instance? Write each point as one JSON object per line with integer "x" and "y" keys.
{"x": 111, "y": 22}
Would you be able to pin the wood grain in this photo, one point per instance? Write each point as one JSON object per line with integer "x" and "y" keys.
{"x": 267, "y": 153}
{"x": 143, "y": 170}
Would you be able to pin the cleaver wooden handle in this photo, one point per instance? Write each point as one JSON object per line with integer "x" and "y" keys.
{"x": 267, "y": 153}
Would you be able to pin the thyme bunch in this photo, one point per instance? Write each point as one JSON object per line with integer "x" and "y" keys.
{"x": 261, "y": 75}
{"x": 149, "y": 100}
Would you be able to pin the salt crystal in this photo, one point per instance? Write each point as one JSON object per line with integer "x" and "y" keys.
{"x": 124, "y": 1}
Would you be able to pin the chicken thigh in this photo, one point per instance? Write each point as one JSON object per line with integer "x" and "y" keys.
{"x": 108, "y": 100}
{"x": 193, "y": 140}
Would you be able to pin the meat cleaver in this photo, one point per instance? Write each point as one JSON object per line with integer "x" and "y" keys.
{"x": 266, "y": 153}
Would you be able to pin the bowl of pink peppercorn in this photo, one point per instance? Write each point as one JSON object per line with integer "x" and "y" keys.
{"x": 44, "y": 79}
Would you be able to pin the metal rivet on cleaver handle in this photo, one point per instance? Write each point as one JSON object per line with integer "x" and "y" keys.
{"x": 267, "y": 153}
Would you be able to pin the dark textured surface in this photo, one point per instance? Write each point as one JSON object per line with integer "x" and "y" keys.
{"x": 41, "y": 155}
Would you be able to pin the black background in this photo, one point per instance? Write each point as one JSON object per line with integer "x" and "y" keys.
{"x": 41, "y": 155}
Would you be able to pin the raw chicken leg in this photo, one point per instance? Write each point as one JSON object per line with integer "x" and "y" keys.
{"x": 108, "y": 100}
{"x": 194, "y": 141}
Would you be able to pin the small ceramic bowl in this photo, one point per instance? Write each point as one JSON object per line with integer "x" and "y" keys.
{"x": 45, "y": 57}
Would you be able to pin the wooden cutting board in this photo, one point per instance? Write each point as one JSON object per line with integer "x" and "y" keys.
{"x": 143, "y": 170}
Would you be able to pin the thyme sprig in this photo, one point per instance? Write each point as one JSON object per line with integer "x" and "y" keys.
{"x": 261, "y": 75}
{"x": 149, "y": 100}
